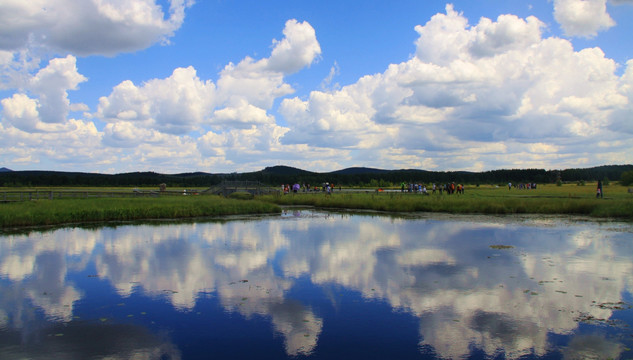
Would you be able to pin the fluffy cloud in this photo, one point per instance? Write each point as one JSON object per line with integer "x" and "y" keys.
{"x": 235, "y": 109}
{"x": 92, "y": 27}
{"x": 150, "y": 122}
{"x": 21, "y": 112}
{"x": 252, "y": 82}
{"x": 496, "y": 85}
{"x": 297, "y": 50}
{"x": 243, "y": 145}
{"x": 242, "y": 113}
{"x": 33, "y": 31}
{"x": 260, "y": 82}
{"x": 175, "y": 105}
{"x": 35, "y": 125}
{"x": 75, "y": 143}
{"x": 620, "y": 120}
{"x": 582, "y": 17}
{"x": 183, "y": 102}
{"x": 494, "y": 94}
{"x": 242, "y": 149}
{"x": 51, "y": 85}
{"x": 141, "y": 149}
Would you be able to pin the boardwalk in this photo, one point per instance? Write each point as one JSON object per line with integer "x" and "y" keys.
{"x": 228, "y": 187}
{"x": 225, "y": 189}
{"x": 27, "y": 195}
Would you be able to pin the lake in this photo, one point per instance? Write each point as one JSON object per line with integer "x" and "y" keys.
{"x": 321, "y": 285}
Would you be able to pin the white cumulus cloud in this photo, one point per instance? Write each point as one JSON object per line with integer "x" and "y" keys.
{"x": 582, "y": 17}
{"x": 175, "y": 105}
{"x": 236, "y": 108}
{"x": 498, "y": 85}
{"x": 50, "y": 86}
{"x": 85, "y": 27}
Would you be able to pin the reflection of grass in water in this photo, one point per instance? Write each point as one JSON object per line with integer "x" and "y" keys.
{"x": 501, "y": 247}
{"x": 621, "y": 305}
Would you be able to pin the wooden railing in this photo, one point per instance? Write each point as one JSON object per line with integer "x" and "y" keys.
{"x": 224, "y": 189}
{"x": 27, "y": 195}
{"x": 227, "y": 187}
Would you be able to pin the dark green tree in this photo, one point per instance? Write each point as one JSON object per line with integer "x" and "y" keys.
{"x": 626, "y": 178}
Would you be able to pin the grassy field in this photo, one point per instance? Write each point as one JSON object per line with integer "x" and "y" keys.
{"x": 546, "y": 199}
{"x": 65, "y": 211}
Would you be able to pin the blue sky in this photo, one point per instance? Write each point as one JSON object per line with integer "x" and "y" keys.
{"x": 175, "y": 86}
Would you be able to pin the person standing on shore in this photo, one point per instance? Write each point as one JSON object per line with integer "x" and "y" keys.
{"x": 599, "y": 193}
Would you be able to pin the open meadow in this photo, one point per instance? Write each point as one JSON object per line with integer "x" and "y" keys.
{"x": 109, "y": 207}
{"x": 45, "y": 210}
{"x": 486, "y": 199}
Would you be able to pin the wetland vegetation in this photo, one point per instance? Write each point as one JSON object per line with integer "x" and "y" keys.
{"x": 63, "y": 211}
{"x": 546, "y": 199}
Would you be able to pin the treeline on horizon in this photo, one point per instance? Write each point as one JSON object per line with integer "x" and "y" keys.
{"x": 277, "y": 175}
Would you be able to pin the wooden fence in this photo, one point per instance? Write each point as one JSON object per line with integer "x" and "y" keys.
{"x": 11, "y": 196}
{"x": 228, "y": 187}
{"x": 225, "y": 188}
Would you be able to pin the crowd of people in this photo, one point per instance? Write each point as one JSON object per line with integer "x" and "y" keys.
{"x": 325, "y": 187}
{"x": 448, "y": 188}
{"x": 522, "y": 186}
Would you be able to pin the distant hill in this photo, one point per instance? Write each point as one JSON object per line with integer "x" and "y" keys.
{"x": 359, "y": 170}
{"x": 274, "y": 175}
{"x": 285, "y": 170}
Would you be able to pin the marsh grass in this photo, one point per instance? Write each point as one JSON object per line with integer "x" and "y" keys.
{"x": 550, "y": 199}
{"x": 63, "y": 211}
{"x": 547, "y": 199}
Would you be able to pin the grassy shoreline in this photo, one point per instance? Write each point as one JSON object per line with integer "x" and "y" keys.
{"x": 619, "y": 209}
{"x": 66, "y": 211}
{"x": 547, "y": 200}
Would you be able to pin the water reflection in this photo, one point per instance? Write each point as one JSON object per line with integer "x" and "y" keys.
{"x": 550, "y": 279}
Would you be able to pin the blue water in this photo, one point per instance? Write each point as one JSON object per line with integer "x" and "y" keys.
{"x": 320, "y": 285}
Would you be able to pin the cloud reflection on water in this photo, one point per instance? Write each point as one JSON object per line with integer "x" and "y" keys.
{"x": 443, "y": 272}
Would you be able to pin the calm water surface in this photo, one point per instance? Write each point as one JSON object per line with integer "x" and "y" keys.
{"x": 311, "y": 284}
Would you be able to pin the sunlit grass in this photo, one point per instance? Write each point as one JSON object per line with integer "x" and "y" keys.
{"x": 51, "y": 212}
{"x": 548, "y": 199}
{"x": 484, "y": 199}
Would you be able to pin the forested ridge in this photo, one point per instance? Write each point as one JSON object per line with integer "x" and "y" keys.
{"x": 277, "y": 175}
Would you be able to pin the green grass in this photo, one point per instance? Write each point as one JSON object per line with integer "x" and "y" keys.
{"x": 547, "y": 199}
{"x": 64, "y": 211}
{"x": 573, "y": 200}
